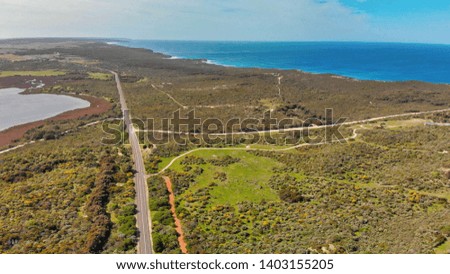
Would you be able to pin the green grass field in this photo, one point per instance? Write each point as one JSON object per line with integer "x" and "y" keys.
{"x": 36, "y": 73}
{"x": 100, "y": 76}
{"x": 246, "y": 180}
{"x": 444, "y": 248}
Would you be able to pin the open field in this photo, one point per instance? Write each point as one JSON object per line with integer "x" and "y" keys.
{"x": 100, "y": 76}
{"x": 31, "y": 73}
{"x": 252, "y": 170}
{"x": 12, "y": 57}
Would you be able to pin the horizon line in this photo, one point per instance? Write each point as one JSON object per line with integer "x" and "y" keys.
{"x": 122, "y": 39}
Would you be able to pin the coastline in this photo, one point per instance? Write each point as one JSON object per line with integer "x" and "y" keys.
{"x": 97, "y": 106}
{"x": 366, "y": 74}
{"x": 169, "y": 56}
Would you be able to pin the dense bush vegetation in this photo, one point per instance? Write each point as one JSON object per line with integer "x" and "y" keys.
{"x": 410, "y": 158}
{"x": 96, "y": 207}
{"x": 70, "y": 195}
{"x": 341, "y": 198}
{"x": 163, "y": 231}
{"x": 223, "y": 161}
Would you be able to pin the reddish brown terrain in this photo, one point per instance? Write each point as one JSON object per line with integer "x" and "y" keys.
{"x": 7, "y": 137}
{"x": 21, "y": 81}
{"x": 178, "y": 227}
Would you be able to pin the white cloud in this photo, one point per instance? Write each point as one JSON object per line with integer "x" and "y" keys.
{"x": 22, "y": 18}
{"x": 188, "y": 19}
{"x": 255, "y": 20}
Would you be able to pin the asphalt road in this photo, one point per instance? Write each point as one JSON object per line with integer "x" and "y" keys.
{"x": 145, "y": 244}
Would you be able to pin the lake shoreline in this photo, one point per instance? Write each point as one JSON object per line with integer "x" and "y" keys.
{"x": 97, "y": 106}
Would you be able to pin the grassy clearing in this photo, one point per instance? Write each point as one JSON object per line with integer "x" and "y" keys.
{"x": 407, "y": 123}
{"x": 100, "y": 76}
{"x": 12, "y": 57}
{"x": 271, "y": 103}
{"x": 246, "y": 180}
{"x": 397, "y": 124}
{"x": 36, "y": 73}
{"x": 164, "y": 162}
{"x": 444, "y": 248}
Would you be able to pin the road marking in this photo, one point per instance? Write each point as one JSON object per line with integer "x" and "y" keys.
{"x": 143, "y": 217}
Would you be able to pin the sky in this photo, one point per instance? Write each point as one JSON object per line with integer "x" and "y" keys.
{"x": 424, "y": 21}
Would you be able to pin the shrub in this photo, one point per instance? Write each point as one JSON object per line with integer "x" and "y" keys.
{"x": 291, "y": 195}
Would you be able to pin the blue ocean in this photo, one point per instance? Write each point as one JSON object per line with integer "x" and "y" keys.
{"x": 364, "y": 61}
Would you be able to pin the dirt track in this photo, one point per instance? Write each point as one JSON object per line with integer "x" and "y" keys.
{"x": 178, "y": 227}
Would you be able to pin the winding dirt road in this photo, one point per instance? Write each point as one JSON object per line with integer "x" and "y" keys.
{"x": 297, "y": 129}
{"x": 355, "y": 135}
{"x": 307, "y": 128}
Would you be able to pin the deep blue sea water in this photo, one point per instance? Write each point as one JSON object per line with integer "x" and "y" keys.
{"x": 365, "y": 61}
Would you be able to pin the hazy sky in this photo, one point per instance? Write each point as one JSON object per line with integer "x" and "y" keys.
{"x": 289, "y": 20}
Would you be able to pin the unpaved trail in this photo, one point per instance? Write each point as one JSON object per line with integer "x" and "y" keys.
{"x": 170, "y": 97}
{"x": 178, "y": 227}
